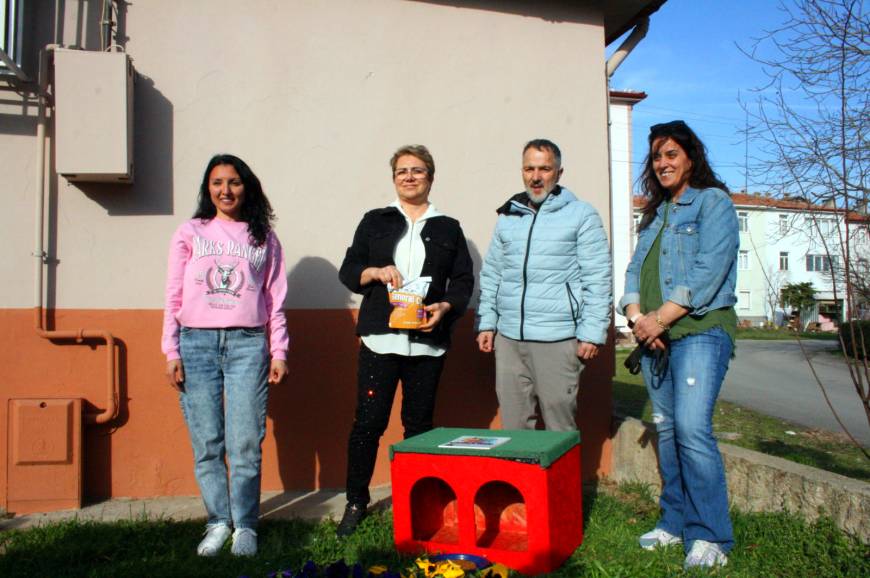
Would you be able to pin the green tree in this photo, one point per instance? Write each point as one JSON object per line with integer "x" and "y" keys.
{"x": 799, "y": 296}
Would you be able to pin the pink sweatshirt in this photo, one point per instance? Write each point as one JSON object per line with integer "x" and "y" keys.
{"x": 216, "y": 278}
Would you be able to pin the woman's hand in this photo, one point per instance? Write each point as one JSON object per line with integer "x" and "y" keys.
{"x": 647, "y": 331}
{"x": 175, "y": 374}
{"x": 435, "y": 312}
{"x": 388, "y": 274}
{"x": 277, "y": 371}
{"x": 648, "y": 328}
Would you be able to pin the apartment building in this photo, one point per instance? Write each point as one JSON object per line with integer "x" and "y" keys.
{"x": 788, "y": 241}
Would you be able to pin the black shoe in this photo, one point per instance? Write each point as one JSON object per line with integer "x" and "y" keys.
{"x": 353, "y": 515}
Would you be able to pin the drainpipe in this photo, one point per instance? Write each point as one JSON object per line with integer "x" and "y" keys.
{"x": 78, "y": 335}
{"x": 627, "y": 46}
{"x": 612, "y": 64}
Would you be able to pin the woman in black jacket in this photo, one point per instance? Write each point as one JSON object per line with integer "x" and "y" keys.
{"x": 398, "y": 243}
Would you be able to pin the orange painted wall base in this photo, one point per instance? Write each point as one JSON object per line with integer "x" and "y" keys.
{"x": 145, "y": 451}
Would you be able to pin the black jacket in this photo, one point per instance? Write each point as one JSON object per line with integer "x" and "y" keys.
{"x": 447, "y": 262}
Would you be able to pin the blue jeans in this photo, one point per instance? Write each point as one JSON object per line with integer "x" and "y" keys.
{"x": 224, "y": 405}
{"x": 694, "y": 497}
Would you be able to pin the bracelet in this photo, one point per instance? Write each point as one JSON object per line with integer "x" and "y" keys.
{"x": 634, "y": 319}
{"x": 661, "y": 323}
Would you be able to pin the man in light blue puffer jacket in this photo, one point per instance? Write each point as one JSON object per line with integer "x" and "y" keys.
{"x": 545, "y": 295}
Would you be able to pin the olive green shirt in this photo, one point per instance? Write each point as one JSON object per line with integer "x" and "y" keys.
{"x": 651, "y": 298}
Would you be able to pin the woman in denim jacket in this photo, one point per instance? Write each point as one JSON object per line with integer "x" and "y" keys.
{"x": 679, "y": 299}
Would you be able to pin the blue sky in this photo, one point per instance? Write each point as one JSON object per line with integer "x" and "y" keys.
{"x": 691, "y": 68}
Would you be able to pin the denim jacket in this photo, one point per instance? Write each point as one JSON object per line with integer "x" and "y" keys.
{"x": 698, "y": 263}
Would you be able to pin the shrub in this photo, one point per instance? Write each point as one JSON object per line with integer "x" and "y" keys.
{"x": 861, "y": 327}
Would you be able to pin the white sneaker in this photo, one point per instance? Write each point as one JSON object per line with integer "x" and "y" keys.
{"x": 215, "y": 536}
{"x": 705, "y": 554}
{"x": 658, "y": 537}
{"x": 244, "y": 542}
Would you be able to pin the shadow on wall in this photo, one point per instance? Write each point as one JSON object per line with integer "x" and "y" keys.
{"x": 152, "y": 190}
{"x": 466, "y": 394}
{"x": 98, "y": 439}
{"x": 23, "y": 121}
{"x": 548, "y": 10}
{"x": 595, "y": 408}
{"x": 312, "y": 411}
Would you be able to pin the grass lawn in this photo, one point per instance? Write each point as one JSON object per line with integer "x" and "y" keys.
{"x": 760, "y": 333}
{"x": 749, "y": 429}
{"x": 766, "y": 545}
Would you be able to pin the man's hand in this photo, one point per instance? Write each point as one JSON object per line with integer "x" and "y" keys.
{"x": 435, "y": 312}
{"x": 175, "y": 374}
{"x": 485, "y": 341}
{"x": 277, "y": 371}
{"x": 586, "y": 350}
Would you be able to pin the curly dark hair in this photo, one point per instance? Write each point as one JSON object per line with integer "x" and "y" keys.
{"x": 256, "y": 210}
{"x": 702, "y": 175}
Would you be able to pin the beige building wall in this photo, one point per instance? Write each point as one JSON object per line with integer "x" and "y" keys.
{"x": 315, "y": 96}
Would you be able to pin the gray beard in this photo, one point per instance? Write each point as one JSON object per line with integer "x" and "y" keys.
{"x": 534, "y": 198}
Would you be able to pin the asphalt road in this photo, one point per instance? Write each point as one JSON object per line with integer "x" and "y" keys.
{"x": 774, "y": 378}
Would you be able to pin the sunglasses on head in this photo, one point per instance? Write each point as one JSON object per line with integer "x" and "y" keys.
{"x": 668, "y": 127}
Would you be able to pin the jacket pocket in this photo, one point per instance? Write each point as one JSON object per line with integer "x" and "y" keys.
{"x": 687, "y": 238}
{"x": 440, "y": 251}
{"x": 381, "y": 246}
{"x": 573, "y": 304}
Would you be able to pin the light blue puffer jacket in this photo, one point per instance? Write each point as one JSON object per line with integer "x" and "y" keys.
{"x": 547, "y": 275}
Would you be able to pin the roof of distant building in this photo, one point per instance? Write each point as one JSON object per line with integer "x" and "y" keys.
{"x": 767, "y": 200}
{"x": 630, "y": 95}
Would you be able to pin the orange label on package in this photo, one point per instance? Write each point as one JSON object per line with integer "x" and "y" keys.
{"x": 408, "y": 312}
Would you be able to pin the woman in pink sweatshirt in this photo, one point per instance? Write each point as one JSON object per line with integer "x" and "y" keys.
{"x": 225, "y": 340}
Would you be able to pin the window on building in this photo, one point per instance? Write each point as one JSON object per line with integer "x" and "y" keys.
{"x": 743, "y": 221}
{"x": 743, "y": 261}
{"x": 783, "y": 261}
{"x": 783, "y": 224}
{"x": 824, "y": 226}
{"x": 821, "y": 262}
{"x": 744, "y": 299}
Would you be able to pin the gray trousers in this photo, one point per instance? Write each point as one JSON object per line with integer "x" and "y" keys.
{"x": 531, "y": 373}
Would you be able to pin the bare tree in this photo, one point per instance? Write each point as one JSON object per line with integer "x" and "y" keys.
{"x": 810, "y": 124}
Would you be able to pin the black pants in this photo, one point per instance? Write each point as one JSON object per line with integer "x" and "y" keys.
{"x": 377, "y": 378}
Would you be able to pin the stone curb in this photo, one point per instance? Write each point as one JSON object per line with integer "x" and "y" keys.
{"x": 313, "y": 505}
{"x": 757, "y": 482}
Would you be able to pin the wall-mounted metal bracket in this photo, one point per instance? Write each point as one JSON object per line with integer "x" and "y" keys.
{"x": 10, "y": 64}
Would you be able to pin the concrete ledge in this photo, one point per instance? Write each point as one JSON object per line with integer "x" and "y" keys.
{"x": 756, "y": 482}
{"x": 313, "y": 505}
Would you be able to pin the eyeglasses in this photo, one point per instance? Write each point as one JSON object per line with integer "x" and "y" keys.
{"x": 668, "y": 127}
{"x": 416, "y": 172}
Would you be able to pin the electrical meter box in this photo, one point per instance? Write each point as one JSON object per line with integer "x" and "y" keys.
{"x": 44, "y": 455}
{"x": 93, "y": 103}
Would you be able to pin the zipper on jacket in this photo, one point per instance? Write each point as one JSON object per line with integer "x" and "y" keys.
{"x": 525, "y": 267}
{"x": 571, "y": 301}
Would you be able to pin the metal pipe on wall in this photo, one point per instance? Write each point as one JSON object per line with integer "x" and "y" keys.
{"x": 627, "y": 46}
{"x": 106, "y": 25}
{"x": 78, "y": 335}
